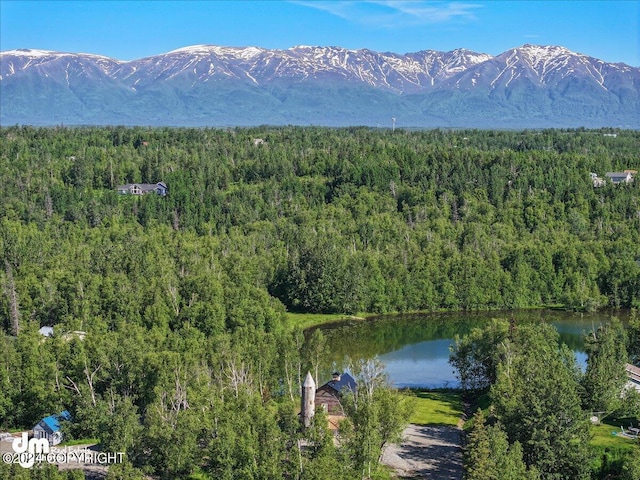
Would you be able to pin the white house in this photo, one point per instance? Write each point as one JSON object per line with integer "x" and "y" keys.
{"x": 633, "y": 376}
{"x": 159, "y": 188}
{"x": 620, "y": 177}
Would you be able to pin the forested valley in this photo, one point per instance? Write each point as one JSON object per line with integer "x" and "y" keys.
{"x": 185, "y": 358}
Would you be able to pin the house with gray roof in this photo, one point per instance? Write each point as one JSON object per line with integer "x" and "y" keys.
{"x": 620, "y": 177}
{"x": 159, "y": 188}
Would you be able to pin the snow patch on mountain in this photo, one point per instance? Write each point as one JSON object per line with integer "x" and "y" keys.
{"x": 192, "y": 76}
{"x": 30, "y": 53}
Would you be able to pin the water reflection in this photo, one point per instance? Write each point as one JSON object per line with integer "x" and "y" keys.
{"x": 421, "y": 364}
{"x": 415, "y": 349}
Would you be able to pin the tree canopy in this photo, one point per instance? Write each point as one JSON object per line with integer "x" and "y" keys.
{"x": 170, "y": 336}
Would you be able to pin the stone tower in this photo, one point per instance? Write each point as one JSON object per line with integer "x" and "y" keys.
{"x": 308, "y": 400}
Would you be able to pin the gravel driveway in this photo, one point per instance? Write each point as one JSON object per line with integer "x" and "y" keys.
{"x": 428, "y": 451}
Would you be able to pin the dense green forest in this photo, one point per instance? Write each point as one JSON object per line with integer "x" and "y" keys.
{"x": 322, "y": 220}
{"x": 188, "y": 363}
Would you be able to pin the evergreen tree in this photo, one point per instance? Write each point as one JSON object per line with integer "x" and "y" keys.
{"x": 489, "y": 456}
{"x": 633, "y": 335}
{"x": 536, "y": 399}
{"x": 605, "y": 377}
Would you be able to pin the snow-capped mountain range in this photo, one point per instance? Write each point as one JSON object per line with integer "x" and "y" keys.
{"x": 528, "y": 86}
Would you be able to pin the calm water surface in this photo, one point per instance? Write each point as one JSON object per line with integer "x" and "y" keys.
{"x": 415, "y": 349}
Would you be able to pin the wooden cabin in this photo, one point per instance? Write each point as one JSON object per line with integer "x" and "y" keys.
{"x": 328, "y": 395}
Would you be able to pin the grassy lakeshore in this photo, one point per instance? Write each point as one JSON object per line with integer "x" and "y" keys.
{"x": 309, "y": 320}
{"x": 437, "y": 407}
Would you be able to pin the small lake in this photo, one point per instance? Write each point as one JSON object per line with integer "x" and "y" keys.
{"x": 415, "y": 348}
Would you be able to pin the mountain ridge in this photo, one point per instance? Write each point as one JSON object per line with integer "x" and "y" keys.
{"x": 526, "y": 86}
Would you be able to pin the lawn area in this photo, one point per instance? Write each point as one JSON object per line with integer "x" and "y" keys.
{"x": 306, "y": 320}
{"x": 603, "y": 434}
{"x": 80, "y": 441}
{"x": 437, "y": 408}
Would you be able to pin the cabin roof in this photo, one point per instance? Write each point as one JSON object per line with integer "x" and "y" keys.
{"x": 52, "y": 423}
{"x": 342, "y": 384}
{"x": 145, "y": 187}
{"x": 632, "y": 371}
{"x": 633, "y": 376}
{"x": 614, "y": 175}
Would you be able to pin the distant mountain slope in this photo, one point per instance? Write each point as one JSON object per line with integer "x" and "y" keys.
{"x": 528, "y": 86}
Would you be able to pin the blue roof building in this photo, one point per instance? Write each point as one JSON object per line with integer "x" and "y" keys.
{"x": 49, "y": 427}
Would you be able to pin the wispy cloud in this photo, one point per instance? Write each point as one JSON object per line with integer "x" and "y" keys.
{"x": 395, "y": 13}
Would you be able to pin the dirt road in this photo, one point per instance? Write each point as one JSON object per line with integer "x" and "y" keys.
{"x": 433, "y": 452}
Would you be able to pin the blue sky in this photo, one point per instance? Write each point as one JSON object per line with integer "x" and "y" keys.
{"x": 126, "y": 30}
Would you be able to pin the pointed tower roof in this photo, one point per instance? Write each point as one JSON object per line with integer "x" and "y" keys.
{"x": 308, "y": 381}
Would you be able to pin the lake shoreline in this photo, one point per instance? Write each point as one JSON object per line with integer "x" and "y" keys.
{"x": 415, "y": 348}
{"x": 310, "y": 321}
